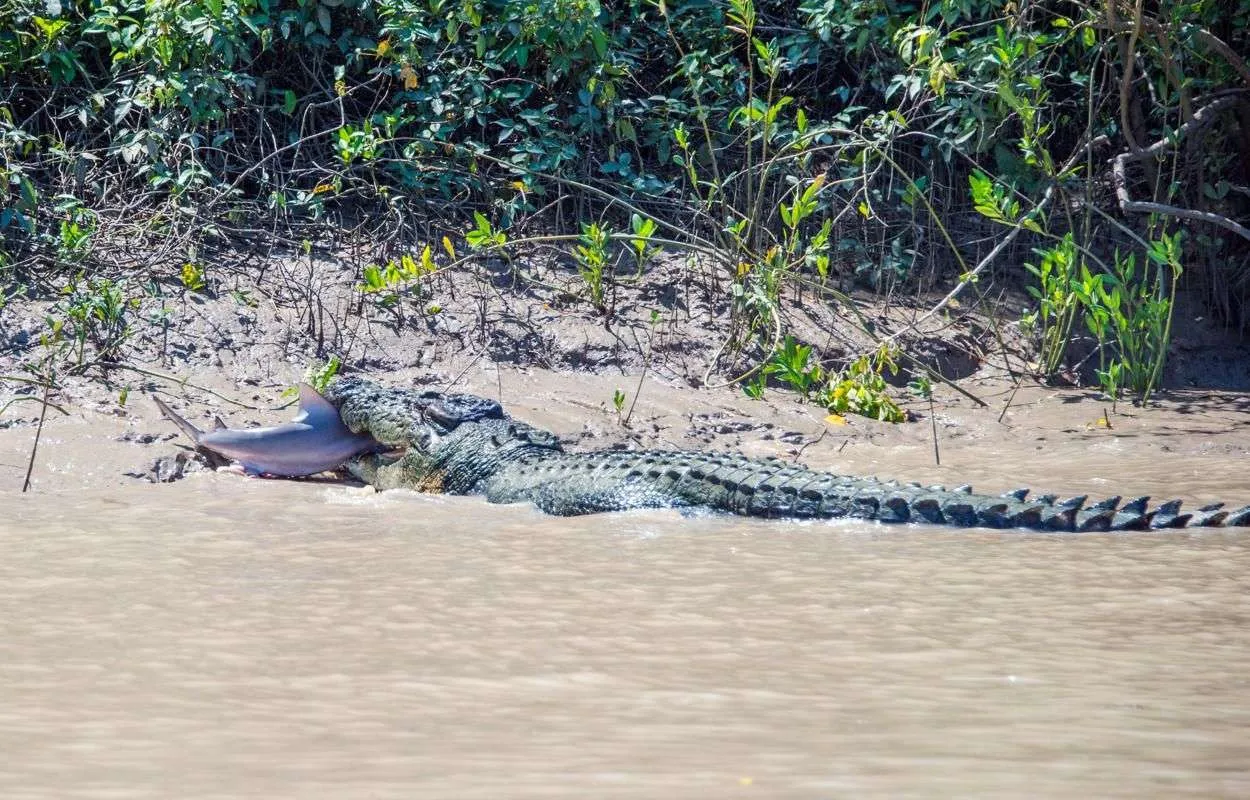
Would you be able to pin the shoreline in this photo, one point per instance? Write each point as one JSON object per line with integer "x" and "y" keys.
{"x": 557, "y": 363}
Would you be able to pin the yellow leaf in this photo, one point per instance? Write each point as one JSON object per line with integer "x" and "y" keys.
{"x": 518, "y": 185}
{"x": 835, "y": 419}
{"x": 451, "y": 251}
{"x": 864, "y": 211}
{"x": 384, "y": 47}
{"x": 322, "y": 188}
{"x": 409, "y": 77}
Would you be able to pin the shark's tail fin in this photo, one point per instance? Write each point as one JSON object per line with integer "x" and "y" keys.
{"x": 192, "y": 432}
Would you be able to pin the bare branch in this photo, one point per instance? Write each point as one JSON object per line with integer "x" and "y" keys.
{"x": 1201, "y": 119}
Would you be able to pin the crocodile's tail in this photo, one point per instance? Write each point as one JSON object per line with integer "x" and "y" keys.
{"x": 772, "y": 488}
{"x": 959, "y": 506}
{"x": 585, "y": 483}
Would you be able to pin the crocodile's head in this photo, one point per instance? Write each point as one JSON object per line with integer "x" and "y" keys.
{"x": 437, "y": 442}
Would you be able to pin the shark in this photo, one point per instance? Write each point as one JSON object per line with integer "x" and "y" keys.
{"x": 316, "y": 440}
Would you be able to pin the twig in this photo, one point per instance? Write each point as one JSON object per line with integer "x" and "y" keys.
{"x": 1202, "y": 118}
{"x": 1010, "y": 397}
{"x": 937, "y": 457}
{"x": 26, "y": 397}
{"x": 465, "y": 371}
{"x": 34, "y": 448}
{"x": 971, "y": 276}
{"x": 1211, "y": 40}
{"x": 646, "y": 363}
{"x": 824, "y": 431}
{"x": 183, "y": 382}
{"x": 771, "y": 349}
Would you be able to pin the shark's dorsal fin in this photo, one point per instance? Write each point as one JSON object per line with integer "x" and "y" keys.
{"x": 313, "y": 408}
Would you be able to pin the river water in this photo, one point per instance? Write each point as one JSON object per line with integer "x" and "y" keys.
{"x": 226, "y": 638}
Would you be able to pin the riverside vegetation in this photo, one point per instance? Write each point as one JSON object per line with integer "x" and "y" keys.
{"x": 1092, "y": 155}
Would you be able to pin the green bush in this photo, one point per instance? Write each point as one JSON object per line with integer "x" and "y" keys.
{"x": 812, "y": 144}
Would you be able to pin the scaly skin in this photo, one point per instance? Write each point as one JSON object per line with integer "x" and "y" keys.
{"x": 462, "y": 444}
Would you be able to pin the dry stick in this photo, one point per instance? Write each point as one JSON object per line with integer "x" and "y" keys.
{"x": 183, "y": 382}
{"x": 1201, "y": 119}
{"x": 34, "y": 448}
{"x": 772, "y": 348}
{"x": 849, "y": 303}
{"x": 1201, "y": 34}
{"x": 646, "y": 363}
{"x": 1003, "y": 243}
{"x": 1128, "y": 53}
{"x": 937, "y": 457}
{"x": 27, "y": 397}
{"x": 1010, "y": 397}
{"x": 465, "y": 371}
{"x": 824, "y": 431}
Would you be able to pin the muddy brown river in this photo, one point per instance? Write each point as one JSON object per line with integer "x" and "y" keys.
{"x": 227, "y": 638}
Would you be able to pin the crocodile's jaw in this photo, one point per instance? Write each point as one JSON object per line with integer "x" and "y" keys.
{"x": 446, "y": 442}
{"x": 397, "y": 469}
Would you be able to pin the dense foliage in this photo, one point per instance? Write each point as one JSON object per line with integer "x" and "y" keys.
{"x": 876, "y": 140}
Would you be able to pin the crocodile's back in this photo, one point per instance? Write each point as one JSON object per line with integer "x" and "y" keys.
{"x": 584, "y": 483}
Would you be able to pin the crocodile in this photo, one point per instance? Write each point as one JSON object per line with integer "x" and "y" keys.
{"x": 464, "y": 444}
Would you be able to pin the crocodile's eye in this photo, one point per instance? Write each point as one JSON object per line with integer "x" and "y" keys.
{"x": 444, "y": 417}
{"x": 456, "y": 409}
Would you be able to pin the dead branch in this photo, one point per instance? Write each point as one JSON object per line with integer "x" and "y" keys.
{"x": 1202, "y": 118}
